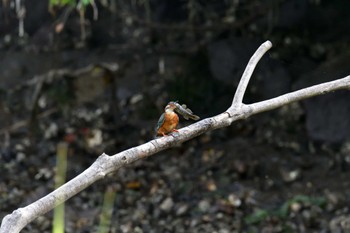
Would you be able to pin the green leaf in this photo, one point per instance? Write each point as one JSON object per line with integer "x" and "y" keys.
{"x": 258, "y": 216}
{"x": 54, "y": 2}
{"x": 85, "y": 2}
{"x": 62, "y": 3}
{"x": 283, "y": 211}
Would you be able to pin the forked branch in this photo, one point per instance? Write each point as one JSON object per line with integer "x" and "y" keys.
{"x": 107, "y": 164}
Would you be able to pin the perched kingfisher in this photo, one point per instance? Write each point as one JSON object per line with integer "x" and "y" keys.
{"x": 168, "y": 120}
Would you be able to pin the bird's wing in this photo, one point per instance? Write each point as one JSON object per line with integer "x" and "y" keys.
{"x": 160, "y": 121}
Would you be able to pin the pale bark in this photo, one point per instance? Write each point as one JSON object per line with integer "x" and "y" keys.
{"x": 107, "y": 164}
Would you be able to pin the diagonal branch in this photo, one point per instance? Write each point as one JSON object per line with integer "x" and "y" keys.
{"x": 107, "y": 164}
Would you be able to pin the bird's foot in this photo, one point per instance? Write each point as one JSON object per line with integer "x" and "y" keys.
{"x": 174, "y": 133}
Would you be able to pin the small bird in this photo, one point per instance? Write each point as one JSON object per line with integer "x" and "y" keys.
{"x": 168, "y": 121}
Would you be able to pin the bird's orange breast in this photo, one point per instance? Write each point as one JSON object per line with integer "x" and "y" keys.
{"x": 170, "y": 122}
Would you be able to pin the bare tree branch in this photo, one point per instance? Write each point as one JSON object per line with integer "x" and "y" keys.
{"x": 107, "y": 164}
{"x": 247, "y": 74}
{"x": 305, "y": 93}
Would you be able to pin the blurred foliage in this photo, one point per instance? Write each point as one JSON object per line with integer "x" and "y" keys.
{"x": 107, "y": 210}
{"x": 60, "y": 178}
{"x": 283, "y": 211}
{"x": 61, "y": 3}
{"x": 147, "y": 20}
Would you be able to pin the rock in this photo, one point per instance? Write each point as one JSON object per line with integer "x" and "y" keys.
{"x": 328, "y": 116}
{"x": 181, "y": 210}
{"x": 290, "y": 174}
{"x": 224, "y": 60}
{"x": 272, "y": 80}
{"x": 234, "y": 200}
{"x": 340, "y": 224}
{"x": 295, "y": 207}
{"x": 335, "y": 200}
{"x": 167, "y": 204}
{"x": 204, "y": 206}
{"x": 224, "y": 231}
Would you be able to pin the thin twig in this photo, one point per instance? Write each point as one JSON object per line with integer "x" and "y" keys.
{"x": 94, "y": 9}
{"x": 248, "y": 72}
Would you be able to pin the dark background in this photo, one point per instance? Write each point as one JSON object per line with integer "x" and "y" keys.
{"x": 101, "y": 85}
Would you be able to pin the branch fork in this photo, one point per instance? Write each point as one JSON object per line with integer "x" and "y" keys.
{"x": 107, "y": 164}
